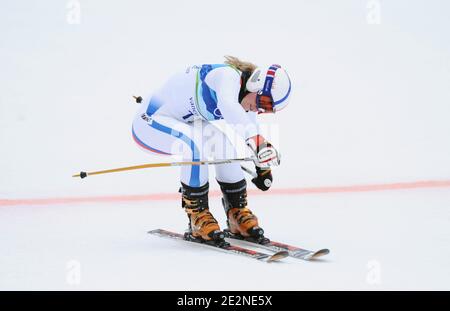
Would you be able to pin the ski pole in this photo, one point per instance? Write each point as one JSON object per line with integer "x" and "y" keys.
{"x": 249, "y": 171}
{"x": 150, "y": 165}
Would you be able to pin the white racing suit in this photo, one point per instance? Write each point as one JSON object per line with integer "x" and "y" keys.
{"x": 176, "y": 120}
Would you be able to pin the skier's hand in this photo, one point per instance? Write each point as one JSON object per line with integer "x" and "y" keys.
{"x": 264, "y": 179}
{"x": 265, "y": 154}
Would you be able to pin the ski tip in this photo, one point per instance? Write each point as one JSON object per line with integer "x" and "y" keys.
{"x": 278, "y": 256}
{"x": 320, "y": 253}
{"x": 160, "y": 232}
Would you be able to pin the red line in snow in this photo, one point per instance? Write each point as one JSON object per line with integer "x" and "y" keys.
{"x": 216, "y": 193}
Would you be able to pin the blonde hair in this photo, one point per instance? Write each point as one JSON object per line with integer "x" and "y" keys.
{"x": 239, "y": 64}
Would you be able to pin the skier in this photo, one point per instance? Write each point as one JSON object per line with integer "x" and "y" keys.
{"x": 234, "y": 91}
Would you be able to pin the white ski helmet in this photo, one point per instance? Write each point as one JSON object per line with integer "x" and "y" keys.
{"x": 271, "y": 81}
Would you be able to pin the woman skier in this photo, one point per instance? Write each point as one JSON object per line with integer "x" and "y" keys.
{"x": 180, "y": 113}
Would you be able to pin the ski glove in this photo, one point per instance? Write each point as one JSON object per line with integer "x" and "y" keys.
{"x": 264, "y": 179}
{"x": 265, "y": 154}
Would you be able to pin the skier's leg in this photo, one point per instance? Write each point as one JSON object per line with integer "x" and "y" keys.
{"x": 168, "y": 136}
{"x": 173, "y": 137}
{"x": 202, "y": 223}
{"x": 218, "y": 146}
{"x": 240, "y": 219}
{"x": 231, "y": 179}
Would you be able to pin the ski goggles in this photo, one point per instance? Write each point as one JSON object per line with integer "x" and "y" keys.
{"x": 264, "y": 99}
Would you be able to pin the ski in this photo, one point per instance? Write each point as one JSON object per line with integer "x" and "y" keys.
{"x": 293, "y": 251}
{"x": 228, "y": 248}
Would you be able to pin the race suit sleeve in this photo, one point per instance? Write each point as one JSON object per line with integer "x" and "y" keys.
{"x": 226, "y": 82}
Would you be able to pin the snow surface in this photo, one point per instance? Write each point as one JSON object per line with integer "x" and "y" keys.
{"x": 390, "y": 241}
{"x": 370, "y": 104}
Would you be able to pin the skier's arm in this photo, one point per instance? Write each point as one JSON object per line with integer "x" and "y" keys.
{"x": 263, "y": 179}
{"x": 226, "y": 84}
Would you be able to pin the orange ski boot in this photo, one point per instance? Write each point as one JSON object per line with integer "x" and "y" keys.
{"x": 242, "y": 223}
{"x": 203, "y": 227}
